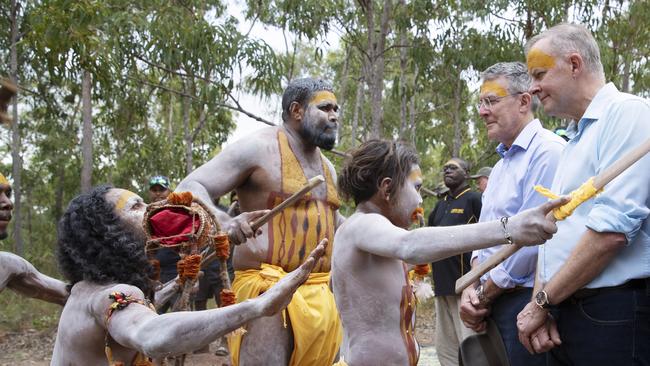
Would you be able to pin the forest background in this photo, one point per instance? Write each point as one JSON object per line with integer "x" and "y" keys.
{"x": 115, "y": 90}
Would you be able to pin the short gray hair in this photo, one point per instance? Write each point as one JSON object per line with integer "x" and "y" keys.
{"x": 517, "y": 76}
{"x": 565, "y": 38}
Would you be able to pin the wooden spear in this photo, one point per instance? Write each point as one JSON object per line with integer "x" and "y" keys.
{"x": 600, "y": 181}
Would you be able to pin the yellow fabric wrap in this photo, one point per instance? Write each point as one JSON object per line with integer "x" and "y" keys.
{"x": 580, "y": 195}
{"x": 341, "y": 363}
{"x": 297, "y": 230}
{"x": 315, "y": 323}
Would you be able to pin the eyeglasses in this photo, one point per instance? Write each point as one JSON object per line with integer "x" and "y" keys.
{"x": 489, "y": 102}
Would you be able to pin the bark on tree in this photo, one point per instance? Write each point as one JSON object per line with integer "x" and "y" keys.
{"x": 358, "y": 102}
{"x": 16, "y": 144}
{"x": 87, "y": 132}
{"x": 458, "y": 93}
{"x": 376, "y": 51}
{"x": 344, "y": 83}
{"x": 187, "y": 134}
{"x": 403, "y": 62}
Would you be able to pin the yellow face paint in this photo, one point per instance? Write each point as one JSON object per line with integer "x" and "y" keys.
{"x": 323, "y": 96}
{"x": 123, "y": 199}
{"x": 415, "y": 175}
{"x": 493, "y": 87}
{"x": 538, "y": 59}
{"x": 3, "y": 180}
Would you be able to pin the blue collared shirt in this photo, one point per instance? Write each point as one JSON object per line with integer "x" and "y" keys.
{"x": 532, "y": 159}
{"x": 613, "y": 124}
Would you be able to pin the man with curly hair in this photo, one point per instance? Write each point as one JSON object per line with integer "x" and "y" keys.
{"x": 15, "y": 272}
{"x": 373, "y": 249}
{"x": 106, "y": 319}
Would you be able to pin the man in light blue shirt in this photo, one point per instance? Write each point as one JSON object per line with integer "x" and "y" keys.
{"x": 591, "y": 304}
{"x": 529, "y": 156}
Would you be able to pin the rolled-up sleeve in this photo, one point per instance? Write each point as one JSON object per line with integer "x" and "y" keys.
{"x": 622, "y": 207}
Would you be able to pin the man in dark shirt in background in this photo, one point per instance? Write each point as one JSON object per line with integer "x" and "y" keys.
{"x": 159, "y": 190}
{"x": 458, "y": 206}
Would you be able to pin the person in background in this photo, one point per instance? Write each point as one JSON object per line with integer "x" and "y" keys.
{"x": 459, "y": 206}
{"x": 159, "y": 189}
{"x": 482, "y": 177}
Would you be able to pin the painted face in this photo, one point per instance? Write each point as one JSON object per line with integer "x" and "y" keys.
{"x": 6, "y": 206}
{"x": 502, "y": 119}
{"x": 320, "y": 122}
{"x": 551, "y": 79}
{"x": 408, "y": 198}
{"x": 129, "y": 207}
{"x": 158, "y": 193}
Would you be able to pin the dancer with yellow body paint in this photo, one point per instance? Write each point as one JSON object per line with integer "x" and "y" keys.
{"x": 265, "y": 169}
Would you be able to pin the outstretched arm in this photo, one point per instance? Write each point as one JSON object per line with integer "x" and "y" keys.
{"x": 21, "y": 276}
{"x": 423, "y": 245}
{"x": 140, "y": 328}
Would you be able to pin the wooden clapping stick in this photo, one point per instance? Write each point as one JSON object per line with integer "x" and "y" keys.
{"x": 599, "y": 183}
{"x": 313, "y": 182}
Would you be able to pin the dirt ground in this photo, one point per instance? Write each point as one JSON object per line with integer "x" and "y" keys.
{"x": 30, "y": 347}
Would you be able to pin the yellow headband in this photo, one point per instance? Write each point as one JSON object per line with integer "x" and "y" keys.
{"x": 3, "y": 180}
{"x": 538, "y": 59}
{"x": 123, "y": 199}
{"x": 321, "y": 96}
{"x": 492, "y": 86}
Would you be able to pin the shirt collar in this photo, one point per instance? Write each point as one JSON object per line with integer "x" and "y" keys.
{"x": 524, "y": 138}
{"x": 596, "y": 108}
{"x": 467, "y": 189}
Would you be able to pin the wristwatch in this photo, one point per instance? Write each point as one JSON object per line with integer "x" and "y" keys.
{"x": 541, "y": 299}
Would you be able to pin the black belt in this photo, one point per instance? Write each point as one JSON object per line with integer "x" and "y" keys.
{"x": 635, "y": 284}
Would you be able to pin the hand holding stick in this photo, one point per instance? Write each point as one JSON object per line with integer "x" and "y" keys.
{"x": 597, "y": 184}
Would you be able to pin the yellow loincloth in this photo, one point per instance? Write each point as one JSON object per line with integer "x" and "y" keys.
{"x": 315, "y": 323}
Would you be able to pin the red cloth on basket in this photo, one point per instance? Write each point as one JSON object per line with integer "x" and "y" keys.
{"x": 170, "y": 222}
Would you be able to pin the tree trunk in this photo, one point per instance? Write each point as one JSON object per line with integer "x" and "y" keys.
{"x": 458, "y": 93}
{"x": 403, "y": 61}
{"x": 187, "y": 133}
{"x": 625, "y": 82}
{"x": 170, "y": 118}
{"x": 412, "y": 105}
{"x": 376, "y": 49}
{"x": 87, "y": 132}
{"x": 30, "y": 236}
{"x": 17, "y": 161}
{"x": 344, "y": 83}
{"x": 58, "y": 195}
{"x": 358, "y": 102}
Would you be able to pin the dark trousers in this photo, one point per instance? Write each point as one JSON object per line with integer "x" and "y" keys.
{"x": 604, "y": 327}
{"x": 504, "y": 313}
